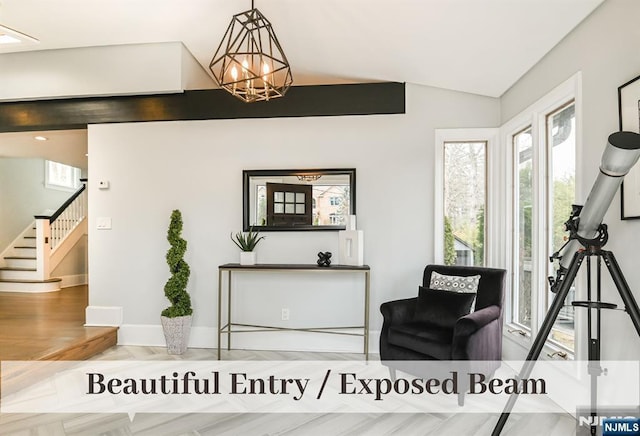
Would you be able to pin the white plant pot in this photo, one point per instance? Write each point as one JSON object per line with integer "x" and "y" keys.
{"x": 247, "y": 258}
{"x": 176, "y": 333}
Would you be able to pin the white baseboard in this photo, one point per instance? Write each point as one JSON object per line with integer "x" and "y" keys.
{"x": 101, "y": 316}
{"x": 74, "y": 280}
{"x": 206, "y": 337}
{"x": 153, "y": 336}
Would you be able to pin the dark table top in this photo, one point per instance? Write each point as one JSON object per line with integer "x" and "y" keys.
{"x": 294, "y": 266}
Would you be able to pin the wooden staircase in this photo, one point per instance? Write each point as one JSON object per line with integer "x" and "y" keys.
{"x": 18, "y": 273}
{"x": 26, "y": 265}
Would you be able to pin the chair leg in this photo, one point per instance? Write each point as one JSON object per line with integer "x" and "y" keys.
{"x": 392, "y": 374}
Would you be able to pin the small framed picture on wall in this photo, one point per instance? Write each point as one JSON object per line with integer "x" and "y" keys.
{"x": 629, "y": 113}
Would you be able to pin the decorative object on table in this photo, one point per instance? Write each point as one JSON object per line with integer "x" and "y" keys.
{"x": 629, "y": 112}
{"x": 324, "y": 259}
{"x": 351, "y": 244}
{"x": 247, "y": 241}
{"x": 249, "y": 62}
{"x": 176, "y": 319}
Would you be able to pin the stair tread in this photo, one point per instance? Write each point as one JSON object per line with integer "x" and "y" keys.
{"x": 17, "y": 269}
{"x": 20, "y": 257}
{"x": 53, "y": 280}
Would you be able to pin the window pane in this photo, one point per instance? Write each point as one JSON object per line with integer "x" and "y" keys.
{"x": 261, "y": 206}
{"x": 464, "y": 202}
{"x": 330, "y": 204}
{"x": 59, "y": 175}
{"x": 523, "y": 145}
{"x": 562, "y": 143}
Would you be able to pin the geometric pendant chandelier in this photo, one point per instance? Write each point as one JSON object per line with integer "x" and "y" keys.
{"x": 249, "y": 62}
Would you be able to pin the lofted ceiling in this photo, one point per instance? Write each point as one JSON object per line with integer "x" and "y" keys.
{"x": 476, "y": 46}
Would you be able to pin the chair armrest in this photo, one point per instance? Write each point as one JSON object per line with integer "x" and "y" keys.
{"x": 473, "y": 322}
{"x": 478, "y": 336}
{"x": 398, "y": 311}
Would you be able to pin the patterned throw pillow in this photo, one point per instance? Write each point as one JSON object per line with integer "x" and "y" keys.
{"x": 454, "y": 283}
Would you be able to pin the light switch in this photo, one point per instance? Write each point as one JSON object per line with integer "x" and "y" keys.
{"x": 103, "y": 184}
{"x": 103, "y": 223}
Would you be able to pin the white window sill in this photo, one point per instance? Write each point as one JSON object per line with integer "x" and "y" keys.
{"x": 549, "y": 352}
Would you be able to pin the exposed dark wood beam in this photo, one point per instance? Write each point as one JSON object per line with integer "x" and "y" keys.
{"x": 300, "y": 101}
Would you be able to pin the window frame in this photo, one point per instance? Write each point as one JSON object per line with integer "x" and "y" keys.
{"x": 536, "y": 116}
{"x": 512, "y": 297}
{"x": 492, "y": 179}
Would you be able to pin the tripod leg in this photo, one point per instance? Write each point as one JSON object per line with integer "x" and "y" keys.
{"x": 545, "y": 329}
{"x": 594, "y": 368}
{"x": 623, "y": 288}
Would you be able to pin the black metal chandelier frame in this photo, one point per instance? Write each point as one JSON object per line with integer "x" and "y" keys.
{"x": 249, "y": 62}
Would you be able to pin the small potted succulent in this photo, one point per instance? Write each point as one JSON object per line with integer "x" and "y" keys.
{"x": 246, "y": 242}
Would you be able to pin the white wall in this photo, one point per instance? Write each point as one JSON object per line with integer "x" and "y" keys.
{"x": 605, "y": 48}
{"x": 196, "y": 166}
{"x": 101, "y": 71}
{"x": 23, "y": 195}
{"x": 73, "y": 268}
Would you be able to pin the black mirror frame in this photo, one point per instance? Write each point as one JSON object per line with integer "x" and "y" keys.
{"x": 247, "y": 174}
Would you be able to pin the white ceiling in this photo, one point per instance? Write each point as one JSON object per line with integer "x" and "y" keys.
{"x": 66, "y": 146}
{"x": 477, "y": 46}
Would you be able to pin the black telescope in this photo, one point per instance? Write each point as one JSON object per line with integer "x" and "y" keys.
{"x": 620, "y": 155}
{"x": 587, "y": 236}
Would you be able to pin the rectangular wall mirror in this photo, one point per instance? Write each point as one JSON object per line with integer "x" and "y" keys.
{"x": 310, "y": 199}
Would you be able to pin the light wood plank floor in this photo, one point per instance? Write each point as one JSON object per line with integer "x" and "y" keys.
{"x": 271, "y": 424}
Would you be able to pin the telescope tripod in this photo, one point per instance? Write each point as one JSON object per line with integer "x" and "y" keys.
{"x": 561, "y": 285}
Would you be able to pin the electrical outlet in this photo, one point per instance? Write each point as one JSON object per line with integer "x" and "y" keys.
{"x": 285, "y": 314}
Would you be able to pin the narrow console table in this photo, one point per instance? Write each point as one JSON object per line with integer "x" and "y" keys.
{"x": 232, "y": 268}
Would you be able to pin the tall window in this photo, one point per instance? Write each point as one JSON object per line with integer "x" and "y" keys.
{"x": 561, "y": 143}
{"x": 464, "y": 202}
{"x": 544, "y": 163}
{"x": 523, "y": 248}
{"x": 61, "y": 176}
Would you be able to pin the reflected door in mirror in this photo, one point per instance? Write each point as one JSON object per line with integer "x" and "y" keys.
{"x": 289, "y": 204}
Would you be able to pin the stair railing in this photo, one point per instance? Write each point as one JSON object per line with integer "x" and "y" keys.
{"x": 51, "y": 230}
{"x": 68, "y": 216}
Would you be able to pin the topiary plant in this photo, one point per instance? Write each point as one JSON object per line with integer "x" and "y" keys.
{"x": 176, "y": 287}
